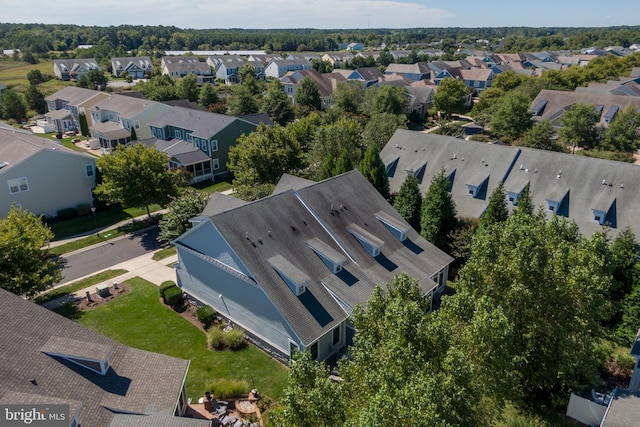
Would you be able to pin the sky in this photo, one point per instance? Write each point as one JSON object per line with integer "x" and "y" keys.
{"x": 325, "y": 14}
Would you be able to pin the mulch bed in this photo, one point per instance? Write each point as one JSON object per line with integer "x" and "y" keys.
{"x": 96, "y": 301}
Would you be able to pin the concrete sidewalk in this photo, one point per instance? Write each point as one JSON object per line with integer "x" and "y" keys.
{"x": 143, "y": 266}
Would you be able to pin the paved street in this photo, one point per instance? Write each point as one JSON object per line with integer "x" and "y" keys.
{"x": 112, "y": 252}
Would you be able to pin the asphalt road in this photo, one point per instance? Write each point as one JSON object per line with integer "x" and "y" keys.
{"x": 97, "y": 258}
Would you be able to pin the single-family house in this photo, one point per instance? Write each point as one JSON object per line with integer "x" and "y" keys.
{"x": 421, "y": 97}
{"x": 325, "y": 82}
{"x": 210, "y": 133}
{"x": 180, "y": 66}
{"x": 279, "y": 67}
{"x": 66, "y": 105}
{"x": 415, "y": 72}
{"x": 476, "y": 78}
{"x": 47, "y": 360}
{"x": 367, "y": 75}
{"x": 227, "y": 67}
{"x": 42, "y": 176}
{"x": 137, "y": 67}
{"x": 68, "y": 69}
{"x": 337, "y": 59}
{"x": 354, "y": 47}
{"x": 116, "y": 118}
{"x": 289, "y": 268}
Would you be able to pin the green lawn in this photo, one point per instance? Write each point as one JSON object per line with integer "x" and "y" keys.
{"x": 76, "y": 286}
{"x": 164, "y": 253}
{"x": 210, "y": 188}
{"x": 140, "y": 320}
{"x": 104, "y": 218}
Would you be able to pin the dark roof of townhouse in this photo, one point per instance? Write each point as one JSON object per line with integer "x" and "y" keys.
{"x": 370, "y": 73}
{"x": 220, "y": 202}
{"x": 73, "y": 95}
{"x": 125, "y": 106}
{"x": 557, "y": 102}
{"x": 202, "y": 123}
{"x": 178, "y": 150}
{"x": 143, "y": 62}
{"x": 468, "y": 163}
{"x": 623, "y": 411}
{"x": 269, "y": 234}
{"x": 417, "y": 68}
{"x": 69, "y": 65}
{"x": 258, "y": 118}
{"x": 284, "y": 234}
{"x": 37, "y": 358}
{"x": 17, "y": 145}
{"x": 291, "y": 182}
{"x": 325, "y": 83}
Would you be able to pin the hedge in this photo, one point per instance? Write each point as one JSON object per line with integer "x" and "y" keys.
{"x": 173, "y": 295}
{"x": 164, "y": 286}
{"x": 234, "y": 339}
{"x": 206, "y": 314}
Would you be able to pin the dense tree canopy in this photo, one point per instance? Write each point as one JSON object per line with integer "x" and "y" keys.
{"x": 450, "y": 97}
{"x": 242, "y": 101}
{"x": 541, "y": 136}
{"x": 512, "y": 117}
{"x": 623, "y": 134}
{"x": 277, "y": 104}
{"x": 579, "y": 126}
{"x": 307, "y": 96}
{"x": 25, "y": 267}
{"x": 138, "y": 176}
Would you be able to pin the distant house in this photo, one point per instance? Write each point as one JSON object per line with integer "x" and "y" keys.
{"x": 368, "y": 75}
{"x": 66, "y": 105}
{"x": 137, "y": 67}
{"x": 67, "y": 69}
{"x": 279, "y": 67}
{"x": 116, "y": 117}
{"x": 355, "y": 46}
{"x": 47, "y": 359}
{"x": 415, "y": 72}
{"x": 421, "y": 97}
{"x": 290, "y": 268}
{"x": 325, "y": 82}
{"x": 477, "y": 78}
{"x": 227, "y": 67}
{"x": 181, "y": 66}
{"x": 210, "y": 133}
{"x": 337, "y": 59}
{"x": 41, "y": 175}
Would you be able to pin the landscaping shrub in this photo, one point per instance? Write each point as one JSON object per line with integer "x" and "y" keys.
{"x": 173, "y": 295}
{"x": 228, "y": 389}
{"x": 67, "y": 213}
{"x": 206, "y": 315}
{"x": 234, "y": 339}
{"x": 164, "y": 286}
{"x": 214, "y": 338}
{"x": 83, "y": 209}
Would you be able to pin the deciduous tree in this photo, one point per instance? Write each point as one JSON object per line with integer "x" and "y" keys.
{"x": 348, "y": 96}
{"x": 277, "y": 104}
{"x": 176, "y": 221}
{"x": 35, "y": 99}
{"x": 541, "y": 136}
{"x": 188, "y": 87}
{"x": 450, "y": 97}
{"x": 512, "y": 117}
{"x": 307, "y": 96}
{"x": 579, "y": 126}
{"x": 380, "y": 128}
{"x": 623, "y": 134}
{"x": 138, "y": 176}
{"x": 242, "y": 101}
{"x": 208, "y": 96}
{"x": 25, "y": 267}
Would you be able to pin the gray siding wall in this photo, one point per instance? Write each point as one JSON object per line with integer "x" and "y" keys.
{"x": 245, "y": 304}
{"x": 210, "y": 242}
{"x": 56, "y": 179}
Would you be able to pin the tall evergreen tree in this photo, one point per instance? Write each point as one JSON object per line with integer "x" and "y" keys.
{"x": 328, "y": 166}
{"x": 343, "y": 164}
{"x": 438, "y": 218}
{"x": 497, "y": 210}
{"x": 408, "y": 202}
{"x": 373, "y": 169}
{"x": 525, "y": 203}
{"x": 242, "y": 101}
{"x": 208, "y": 96}
{"x": 84, "y": 126}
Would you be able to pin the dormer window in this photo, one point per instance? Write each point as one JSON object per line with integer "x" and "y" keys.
{"x": 603, "y": 210}
{"x": 92, "y": 356}
{"x": 333, "y": 259}
{"x": 295, "y": 278}
{"x": 394, "y": 225}
{"x": 371, "y": 243}
{"x": 476, "y": 184}
{"x": 555, "y": 200}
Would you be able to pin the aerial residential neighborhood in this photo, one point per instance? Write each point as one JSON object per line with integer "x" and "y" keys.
{"x": 313, "y": 227}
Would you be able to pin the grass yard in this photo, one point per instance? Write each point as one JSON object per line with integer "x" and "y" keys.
{"x": 76, "y": 286}
{"x": 138, "y": 319}
{"x": 210, "y": 188}
{"x": 164, "y": 253}
{"x": 14, "y": 75}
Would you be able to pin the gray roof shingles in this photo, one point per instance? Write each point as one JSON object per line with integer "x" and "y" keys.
{"x": 137, "y": 381}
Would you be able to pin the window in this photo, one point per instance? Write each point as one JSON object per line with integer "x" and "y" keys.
{"x": 136, "y": 124}
{"x": 314, "y": 350}
{"x": 336, "y": 335}
{"x": 178, "y": 134}
{"x": 190, "y": 139}
{"x": 214, "y": 145}
{"x": 216, "y": 164}
{"x": 153, "y": 131}
{"x": 292, "y": 348}
{"x": 18, "y": 185}
{"x": 89, "y": 169}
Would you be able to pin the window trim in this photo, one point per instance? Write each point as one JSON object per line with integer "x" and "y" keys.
{"x": 215, "y": 164}
{"x": 18, "y": 184}
{"x": 89, "y": 170}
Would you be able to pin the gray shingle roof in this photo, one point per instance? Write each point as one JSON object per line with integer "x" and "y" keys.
{"x": 288, "y": 225}
{"x": 221, "y": 202}
{"x": 137, "y": 381}
{"x": 73, "y": 95}
{"x": 623, "y": 411}
{"x": 470, "y": 160}
{"x": 202, "y": 123}
{"x": 126, "y": 106}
